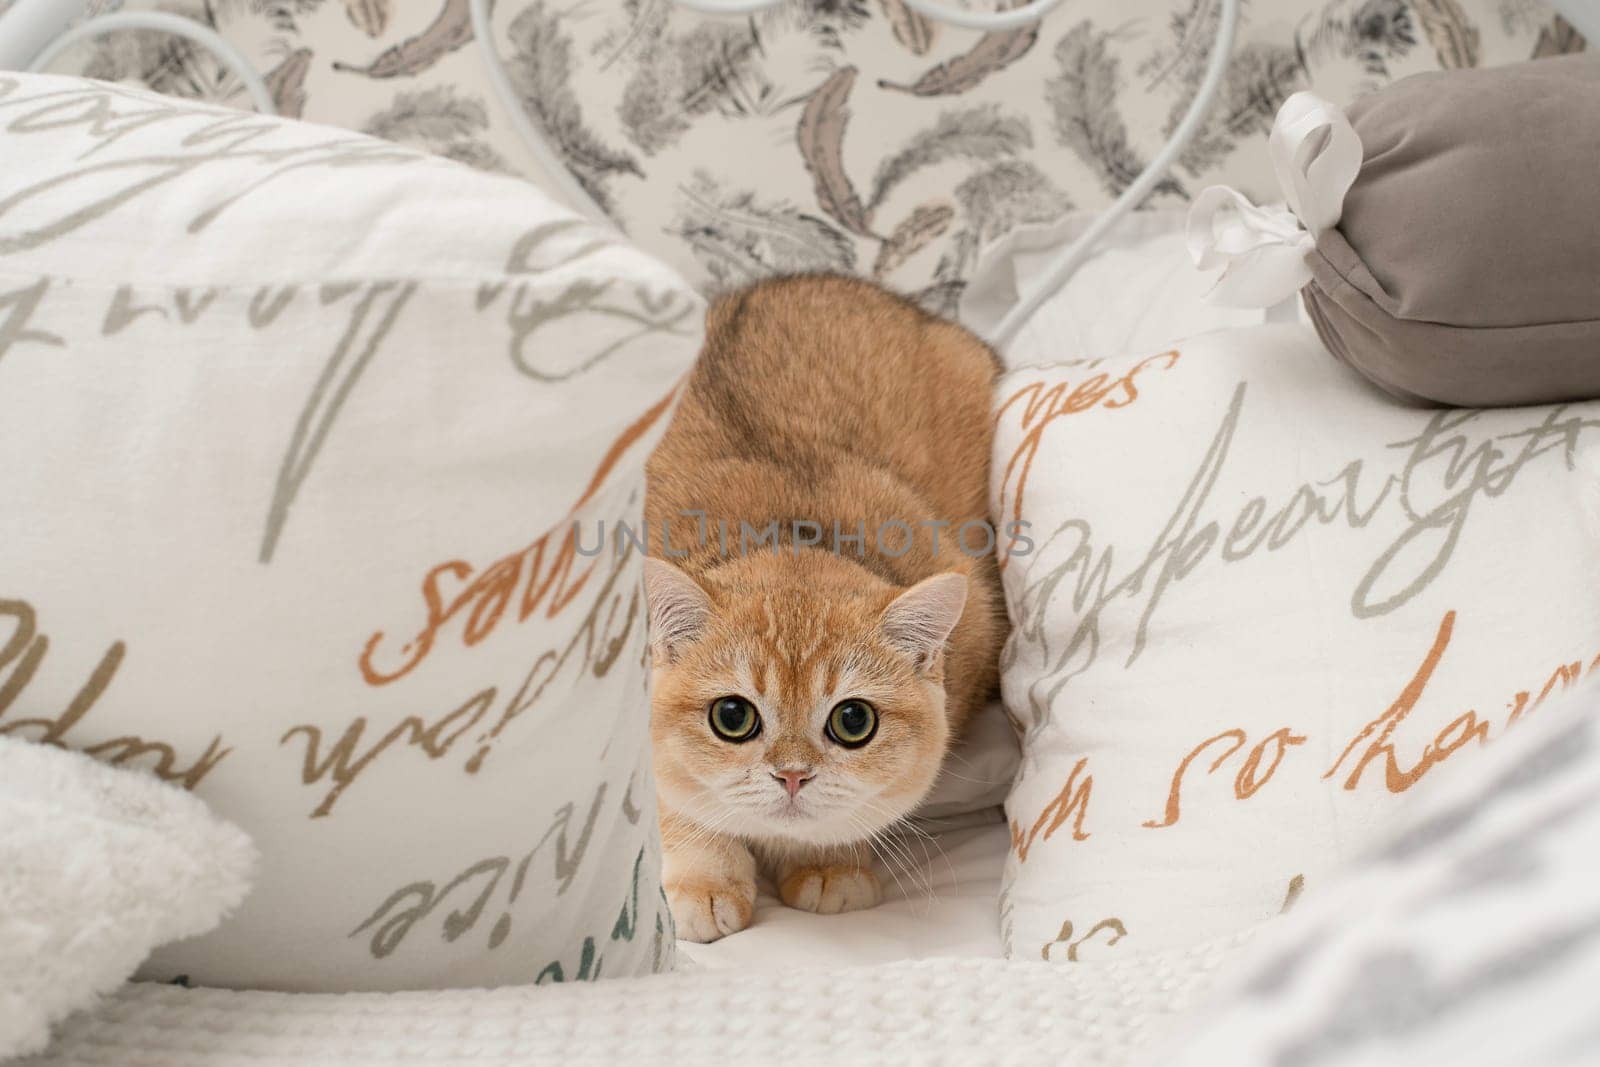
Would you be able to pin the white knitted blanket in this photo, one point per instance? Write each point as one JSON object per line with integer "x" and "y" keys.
{"x": 955, "y": 1011}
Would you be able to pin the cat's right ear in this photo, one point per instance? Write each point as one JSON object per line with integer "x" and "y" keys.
{"x": 679, "y": 608}
{"x": 919, "y": 620}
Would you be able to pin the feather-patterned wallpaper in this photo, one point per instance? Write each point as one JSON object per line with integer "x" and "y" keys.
{"x": 846, "y": 135}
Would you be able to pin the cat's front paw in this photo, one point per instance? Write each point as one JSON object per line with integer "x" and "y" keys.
{"x": 830, "y": 889}
{"x": 705, "y": 909}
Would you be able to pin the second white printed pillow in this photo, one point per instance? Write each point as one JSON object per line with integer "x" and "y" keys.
{"x": 1264, "y": 601}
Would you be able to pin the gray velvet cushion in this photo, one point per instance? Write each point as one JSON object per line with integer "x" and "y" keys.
{"x": 1466, "y": 266}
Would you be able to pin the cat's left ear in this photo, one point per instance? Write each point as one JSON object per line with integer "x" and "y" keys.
{"x": 920, "y": 619}
{"x": 679, "y": 608}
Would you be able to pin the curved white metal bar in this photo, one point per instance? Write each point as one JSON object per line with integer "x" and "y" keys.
{"x": 1073, "y": 256}
{"x": 527, "y": 129}
{"x": 27, "y": 26}
{"x": 176, "y": 25}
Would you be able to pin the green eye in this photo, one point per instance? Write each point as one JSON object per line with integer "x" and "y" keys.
{"x": 734, "y": 719}
{"x": 852, "y": 723}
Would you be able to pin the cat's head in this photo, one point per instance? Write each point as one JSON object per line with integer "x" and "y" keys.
{"x": 797, "y": 696}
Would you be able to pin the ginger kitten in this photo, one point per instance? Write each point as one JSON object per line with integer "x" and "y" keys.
{"x": 805, "y": 694}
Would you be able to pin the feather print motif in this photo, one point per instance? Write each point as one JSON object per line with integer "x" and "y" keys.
{"x": 371, "y": 17}
{"x": 913, "y": 30}
{"x": 994, "y": 52}
{"x": 282, "y": 15}
{"x": 714, "y": 67}
{"x": 827, "y": 22}
{"x": 1008, "y": 194}
{"x": 738, "y": 238}
{"x": 432, "y": 115}
{"x": 449, "y": 30}
{"x": 442, "y": 121}
{"x": 541, "y": 71}
{"x": 826, "y": 134}
{"x": 993, "y": 201}
{"x": 920, "y": 229}
{"x": 979, "y": 133}
{"x": 1261, "y": 75}
{"x": 287, "y": 83}
{"x": 1453, "y": 35}
{"x": 1194, "y": 29}
{"x": 1558, "y": 39}
{"x": 1454, "y": 38}
{"x": 1374, "y": 33}
{"x": 1083, "y": 100}
{"x": 172, "y": 66}
{"x": 820, "y": 136}
{"x": 1260, "y": 78}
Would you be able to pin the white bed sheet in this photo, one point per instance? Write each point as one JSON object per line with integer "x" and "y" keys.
{"x": 948, "y": 905}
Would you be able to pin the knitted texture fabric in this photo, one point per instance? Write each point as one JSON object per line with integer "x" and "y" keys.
{"x": 955, "y": 1011}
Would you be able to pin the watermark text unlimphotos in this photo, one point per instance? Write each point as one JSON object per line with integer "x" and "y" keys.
{"x": 892, "y": 538}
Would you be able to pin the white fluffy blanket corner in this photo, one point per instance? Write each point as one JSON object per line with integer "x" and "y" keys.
{"x": 97, "y": 867}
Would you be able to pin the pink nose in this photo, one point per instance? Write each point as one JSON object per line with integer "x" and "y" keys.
{"x": 793, "y": 780}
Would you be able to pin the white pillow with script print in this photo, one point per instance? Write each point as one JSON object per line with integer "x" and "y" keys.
{"x": 295, "y": 426}
{"x": 1263, "y": 601}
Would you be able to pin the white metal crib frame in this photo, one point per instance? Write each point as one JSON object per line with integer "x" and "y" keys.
{"x": 35, "y": 32}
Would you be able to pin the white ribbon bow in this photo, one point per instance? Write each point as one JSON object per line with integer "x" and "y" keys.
{"x": 1262, "y": 251}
